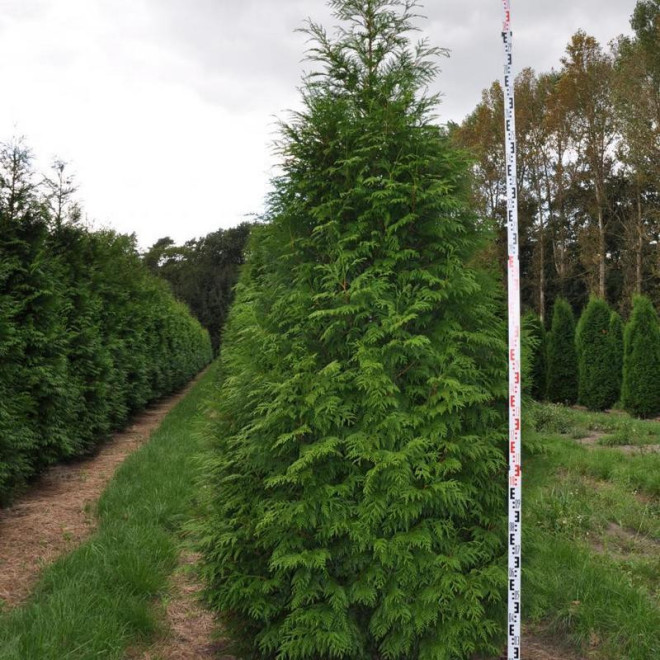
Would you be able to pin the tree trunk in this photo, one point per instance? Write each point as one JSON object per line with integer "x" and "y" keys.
{"x": 601, "y": 245}
{"x": 541, "y": 258}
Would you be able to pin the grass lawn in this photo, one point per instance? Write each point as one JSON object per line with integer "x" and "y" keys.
{"x": 591, "y": 539}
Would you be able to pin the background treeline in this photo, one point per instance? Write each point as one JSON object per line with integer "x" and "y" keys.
{"x": 588, "y": 139}
{"x": 203, "y": 272}
{"x": 87, "y": 334}
{"x": 597, "y": 362}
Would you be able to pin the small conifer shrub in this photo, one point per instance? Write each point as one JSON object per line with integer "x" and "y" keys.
{"x": 562, "y": 358}
{"x": 597, "y": 378}
{"x": 357, "y": 483}
{"x": 640, "y": 392}
{"x": 616, "y": 354}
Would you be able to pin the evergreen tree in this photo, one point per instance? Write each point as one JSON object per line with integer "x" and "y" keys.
{"x": 562, "y": 358}
{"x": 537, "y": 350}
{"x": 616, "y": 353}
{"x": 640, "y": 392}
{"x": 357, "y": 482}
{"x": 596, "y": 372}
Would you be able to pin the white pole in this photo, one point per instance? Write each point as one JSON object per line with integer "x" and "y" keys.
{"x": 515, "y": 475}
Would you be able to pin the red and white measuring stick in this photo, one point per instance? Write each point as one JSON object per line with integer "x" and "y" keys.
{"x": 515, "y": 473}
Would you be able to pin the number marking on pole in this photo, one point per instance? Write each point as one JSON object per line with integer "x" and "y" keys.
{"x": 515, "y": 470}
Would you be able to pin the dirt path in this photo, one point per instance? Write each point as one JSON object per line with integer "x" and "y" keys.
{"x": 58, "y": 512}
{"x": 189, "y": 626}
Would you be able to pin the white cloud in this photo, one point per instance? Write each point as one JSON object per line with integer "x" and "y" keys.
{"x": 166, "y": 107}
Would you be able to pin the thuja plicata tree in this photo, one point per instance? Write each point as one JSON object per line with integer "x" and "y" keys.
{"x": 357, "y": 480}
{"x": 562, "y": 357}
{"x": 640, "y": 392}
{"x": 597, "y": 371}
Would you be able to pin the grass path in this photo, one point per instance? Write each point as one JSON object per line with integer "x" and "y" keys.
{"x": 189, "y": 632}
{"x": 57, "y": 512}
{"x": 99, "y": 599}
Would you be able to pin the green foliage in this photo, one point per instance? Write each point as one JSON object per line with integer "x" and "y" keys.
{"x": 616, "y": 352}
{"x": 562, "y": 358}
{"x": 645, "y": 21}
{"x": 357, "y": 479}
{"x": 203, "y": 273}
{"x": 597, "y": 375}
{"x": 549, "y": 418}
{"x": 87, "y": 335}
{"x": 537, "y": 355}
{"x": 640, "y": 392}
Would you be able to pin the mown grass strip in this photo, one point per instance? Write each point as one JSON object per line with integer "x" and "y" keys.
{"x": 98, "y": 600}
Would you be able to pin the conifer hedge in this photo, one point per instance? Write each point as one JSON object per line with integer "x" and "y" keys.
{"x": 640, "y": 392}
{"x": 357, "y": 483}
{"x": 562, "y": 357}
{"x": 87, "y": 337}
{"x": 597, "y": 376}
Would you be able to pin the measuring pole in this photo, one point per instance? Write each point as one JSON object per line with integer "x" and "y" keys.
{"x": 515, "y": 474}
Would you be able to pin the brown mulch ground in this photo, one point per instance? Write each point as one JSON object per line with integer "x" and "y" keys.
{"x": 58, "y": 511}
{"x": 536, "y": 647}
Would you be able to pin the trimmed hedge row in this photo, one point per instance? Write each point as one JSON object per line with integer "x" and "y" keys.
{"x": 87, "y": 337}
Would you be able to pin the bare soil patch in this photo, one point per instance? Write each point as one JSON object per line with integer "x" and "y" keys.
{"x": 190, "y": 626}
{"x": 539, "y": 644}
{"x": 592, "y": 442}
{"x": 592, "y": 439}
{"x": 58, "y": 511}
{"x": 623, "y": 542}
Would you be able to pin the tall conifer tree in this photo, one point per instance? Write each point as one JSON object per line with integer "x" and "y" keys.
{"x": 562, "y": 358}
{"x": 597, "y": 377}
{"x": 358, "y": 475}
{"x": 640, "y": 392}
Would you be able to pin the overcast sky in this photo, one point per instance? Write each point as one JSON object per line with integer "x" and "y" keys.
{"x": 166, "y": 109}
